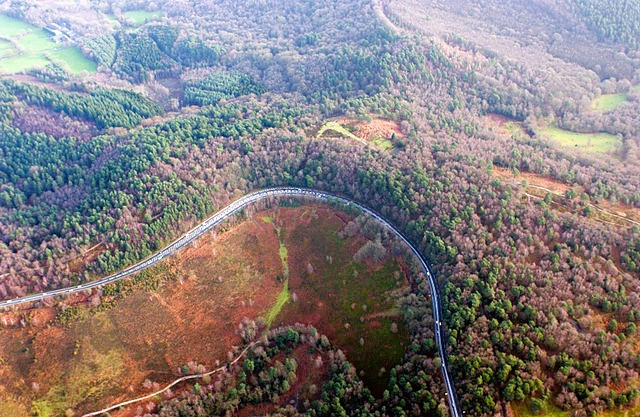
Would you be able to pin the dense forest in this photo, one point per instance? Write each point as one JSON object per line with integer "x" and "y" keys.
{"x": 541, "y": 295}
{"x": 615, "y": 21}
{"x": 156, "y": 51}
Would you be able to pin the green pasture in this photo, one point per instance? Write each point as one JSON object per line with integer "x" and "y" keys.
{"x": 608, "y": 102}
{"x": 140, "y": 17}
{"x": 586, "y": 142}
{"x": 24, "y": 47}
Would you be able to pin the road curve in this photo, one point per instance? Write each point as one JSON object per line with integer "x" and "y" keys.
{"x": 238, "y": 205}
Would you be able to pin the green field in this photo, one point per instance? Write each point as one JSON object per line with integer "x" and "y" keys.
{"x": 23, "y": 63}
{"x": 383, "y": 143}
{"x": 338, "y": 128}
{"x": 140, "y": 17}
{"x": 608, "y": 102}
{"x": 6, "y": 49}
{"x": 10, "y": 27}
{"x": 73, "y": 59}
{"x": 586, "y": 142}
{"x": 24, "y": 47}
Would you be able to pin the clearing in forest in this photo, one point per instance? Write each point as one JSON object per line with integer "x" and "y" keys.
{"x": 24, "y": 47}
{"x": 607, "y": 102}
{"x": 584, "y": 142}
{"x": 380, "y": 132}
{"x": 140, "y": 17}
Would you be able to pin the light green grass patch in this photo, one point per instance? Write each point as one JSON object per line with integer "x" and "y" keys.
{"x": 521, "y": 409}
{"x": 284, "y": 295}
{"x": 34, "y": 48}
{"x": 36, "y": 41}
{"x": 284, "y": 255}
{"x": 23, "y": 63}
{"x": 113, "y": 20}
{"x": 586, "y": 142}
{"x": 338, "y": 128}
{"x": 282, "y": 299}
{"x": 73, "y": 59}
{"x": 608, "y": 102}
{"x": 10, "y": 27}
{"x": 140, "y": 17}
{"x": 383, "y": 143}
{"x": 6, "y": 49}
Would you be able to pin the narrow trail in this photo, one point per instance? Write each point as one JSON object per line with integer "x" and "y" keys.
{"x": 174, "y": 383}
{"x": 378, "y": 9}
{"x": 608, "y": 213}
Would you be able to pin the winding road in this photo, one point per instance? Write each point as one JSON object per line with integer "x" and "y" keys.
{"x": 238, "y": 205}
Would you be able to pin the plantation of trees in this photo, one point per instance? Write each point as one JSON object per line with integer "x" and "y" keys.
{"x": 213, "y": 88}
{"x": 614, "y": 21}
{"x": 156, "y": 51}
{"x": 541, "y": 299}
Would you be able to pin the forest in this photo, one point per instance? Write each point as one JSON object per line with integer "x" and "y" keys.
{"x": 541, "y": 293}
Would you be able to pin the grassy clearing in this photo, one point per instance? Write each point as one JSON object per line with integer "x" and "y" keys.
{"x": 36, "y": 40}
{"x": 140, "y": 17}
{"x": 94, "y": 366}
{"x": 10, "y": 27}
{"x": 275, "y": 310}
{"x": 521, "y": 409}
{"x": 6, "y": 49}
{"x": 383, "y": 143}
{"x": 25, "y": 47}
{"x": 376, "y": 131}
{"x": 284, "y": 295}
{"x": 338, "y": 128}
{"x": 586, "y": 142}
{"x": 88, "y": 381}
{"x": 22, "y": 63}
{"x": 361, "y": 293}
{"x": 608, "y": 102}
{"x": 73, "y": 59}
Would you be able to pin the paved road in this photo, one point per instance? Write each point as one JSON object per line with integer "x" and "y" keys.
{"x": 238, "y": 205}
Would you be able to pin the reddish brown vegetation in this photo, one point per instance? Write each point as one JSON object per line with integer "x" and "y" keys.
{"x": 374, "y": 127}
{"x": 35, "y": 119}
